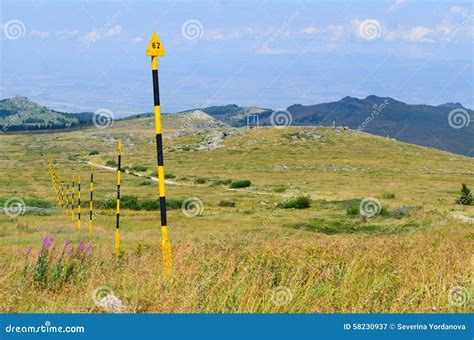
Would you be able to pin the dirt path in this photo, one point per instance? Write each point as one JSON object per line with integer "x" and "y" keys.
{"x": 463, "y": 218}
{"x": 154, "y": 179}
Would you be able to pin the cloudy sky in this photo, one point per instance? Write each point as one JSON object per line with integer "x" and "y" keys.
{"x": 87, "y": 55}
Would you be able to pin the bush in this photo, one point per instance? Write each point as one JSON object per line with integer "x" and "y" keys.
{"x": 200, "y": 180}
{"x": 300, "y": 202}
{"x": 280, "y": 188}
{"x": 138, "y": 168}
{"x": 243, "y": 183}
{"x": 218, "y": 182}
{"x": 154, "y": 204}
{"x": 466, "y": 196}
{"x": 226, "y": 203}
{"x": 111, "y": 163}
{"x": 93, "y": 153}
{"x": 129, "y": 202}
{"x": 169, "y": 175}
{"x": 389, "y": 195}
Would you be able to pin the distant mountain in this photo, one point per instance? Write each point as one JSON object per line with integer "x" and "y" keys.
{"x": 21, "y": 113}
{"x": 418, "y": 124}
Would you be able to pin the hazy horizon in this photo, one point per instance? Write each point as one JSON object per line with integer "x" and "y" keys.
{"x": 261, "y": 54}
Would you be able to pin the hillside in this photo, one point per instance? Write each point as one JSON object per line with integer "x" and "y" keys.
{"x": 418, "y": 124}
{"x": 21, "y": 113}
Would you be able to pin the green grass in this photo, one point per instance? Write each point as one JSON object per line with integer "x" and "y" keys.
{"x": 230, "y": 259}
{"x": 299, "y": 202}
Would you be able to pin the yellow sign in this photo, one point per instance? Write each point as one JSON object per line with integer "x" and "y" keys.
{"x": 155, "y": 47}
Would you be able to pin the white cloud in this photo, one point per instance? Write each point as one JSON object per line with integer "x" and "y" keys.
{"x": 310, "y": 30}
{"x": 396, "y": 5}
{"x": 114, "y": 31}
{"x": 419, "y": 34}
{"x": 457, "y": 9}
{"x": 214, "y": 35}
{"x": 39, "y": 34}
{"x": 65, "y": 34}
{"x": 272, "y": 51}
{"x": 137, "y": 39}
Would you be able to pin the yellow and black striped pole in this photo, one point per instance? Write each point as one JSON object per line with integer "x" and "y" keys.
{"x": 117, "y": 225}
{"x": 91, "y": 200}
{"x": 78, "y": 202}
{"x": 72, "y": 200}
{"x": 67, "y": 199}
{"x": 155, "y": 49}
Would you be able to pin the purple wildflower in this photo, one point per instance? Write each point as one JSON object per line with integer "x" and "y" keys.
{"x": 47, "y": 242}
{"x": 80, "y": 247}
{"x": 66, "y": 243}
{"x": 69, "y": 250}
{"x": 89, "y": 248}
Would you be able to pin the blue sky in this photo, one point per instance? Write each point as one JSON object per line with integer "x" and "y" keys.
{"x": 79, "y": 56}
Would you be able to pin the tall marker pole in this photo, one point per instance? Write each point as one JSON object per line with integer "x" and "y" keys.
{"x": 117, "y": 226}
{"x": 72, "y": 200}
{"x": 79, "y": 203}
{"x": 155, "y": 49}
{"x": 67, "y": 199}
{"x": 90, "y": 202}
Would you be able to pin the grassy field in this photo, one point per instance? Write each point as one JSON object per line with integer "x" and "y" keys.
{"x": 248, "y": 254}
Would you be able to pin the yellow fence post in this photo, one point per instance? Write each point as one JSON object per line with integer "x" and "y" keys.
{"x": 72, "y": 200}
{"x": 79, "y": 202}
{"x": 91, "y": 201}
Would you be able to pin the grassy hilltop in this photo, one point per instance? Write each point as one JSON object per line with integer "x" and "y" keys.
{"x": 245, "y": 252}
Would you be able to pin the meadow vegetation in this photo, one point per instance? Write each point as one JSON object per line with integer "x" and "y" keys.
{"x": 296, "y": 226}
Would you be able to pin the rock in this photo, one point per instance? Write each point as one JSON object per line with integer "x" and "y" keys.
{"x": 111, "y": 303}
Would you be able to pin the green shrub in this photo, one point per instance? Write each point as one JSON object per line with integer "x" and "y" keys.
{"x": 111, "y": 162}
{"x": 129, "y": 202}
{"x": 465, "y": 196}
{"x": 389, "y": 195}
{"x": 93, "y": 153}
{"x": 280, "y": 188}
{"x": 138, "y": 168}
{"x": 300, "y": 202}
{"x": 169, "y": 175}
{"x": 218, "y": 182}
{"x": 38, "y": 203}
{"x": 226, "y": 203}
{"x": 200, "y": 180}
{"x": 145, "y": 183}
{"x": 243, "y": 183}
{"x": 154, "y": 204}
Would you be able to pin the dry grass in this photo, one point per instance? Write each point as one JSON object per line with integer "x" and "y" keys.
{"x": 233, "y": 259}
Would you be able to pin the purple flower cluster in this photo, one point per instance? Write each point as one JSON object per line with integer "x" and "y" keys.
{"x": 47, "y": 244}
